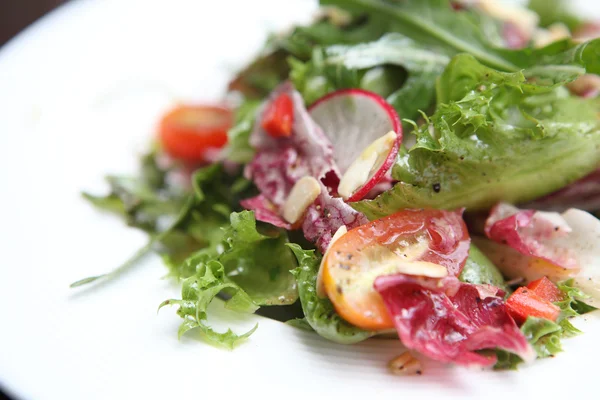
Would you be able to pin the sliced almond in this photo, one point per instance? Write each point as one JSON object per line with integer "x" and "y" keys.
{"x": 342, "y": 230}
{"x": 369, "y": 162}
{"x": 302, "y": 195}
{"x": 405, "y": 364}
{"x": 386, "y": 262}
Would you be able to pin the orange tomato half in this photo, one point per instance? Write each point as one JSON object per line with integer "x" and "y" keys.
{"x": 430, "y": 243}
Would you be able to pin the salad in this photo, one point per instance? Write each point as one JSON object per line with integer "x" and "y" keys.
{"x": 424, "y": 170}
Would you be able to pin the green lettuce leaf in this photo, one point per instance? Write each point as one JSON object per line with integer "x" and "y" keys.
{"x": 259, "y": 262}
{"x": 320, "y": 313}
{"x": 408, "y": 87}
{"x": 198, "y": 291}
{"x": 506, "y": 140}
{"x": 479, "y": 269}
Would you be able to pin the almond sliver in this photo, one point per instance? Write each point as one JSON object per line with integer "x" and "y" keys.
{"x": 302, "y": 195}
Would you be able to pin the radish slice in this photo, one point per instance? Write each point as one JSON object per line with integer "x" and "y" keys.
{"x": 353, "y": 119}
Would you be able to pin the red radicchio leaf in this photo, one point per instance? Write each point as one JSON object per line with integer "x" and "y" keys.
{"x": 530, "y": 232}
{"x": 265, "y": 211}
{"x": 448, "y": 320}
{"x": 314, "y": 150}
{"x": 280, "y": 162}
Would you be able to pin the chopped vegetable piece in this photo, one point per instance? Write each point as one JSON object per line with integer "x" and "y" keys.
{"x": 546, "y": 289}
{"x": 279, "y": 116}
{"x": 525, "y": 303}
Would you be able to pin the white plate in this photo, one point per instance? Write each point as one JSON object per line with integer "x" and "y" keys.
{"x": 80, "y": 92}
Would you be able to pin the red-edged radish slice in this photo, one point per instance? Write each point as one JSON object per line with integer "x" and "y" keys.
{"x": 353, "y": 120}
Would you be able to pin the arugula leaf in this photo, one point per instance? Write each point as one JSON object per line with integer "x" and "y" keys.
{"x": 193, "y": 220}
{"x": 142, "y": 252}
{"x": 198, "y": 291}
{"x": 393, "y": 66}
{"x": 238, "y": 148}
{"x": 506, "y": 140}
{"x": 320, "y": 313}
{"x": 271, "y": 68}
{"x": 143, "y": 200}
{"x": 479, "y": 269}
{"x": 555, "y": 11}
{"x": 434, "y": 24}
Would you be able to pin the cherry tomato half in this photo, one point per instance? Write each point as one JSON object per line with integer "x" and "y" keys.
{"x": 429, "y": 243}
{"x": 187, "y": 132}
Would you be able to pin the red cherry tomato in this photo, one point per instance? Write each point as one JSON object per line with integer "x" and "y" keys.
{"x": 187, "y": 132}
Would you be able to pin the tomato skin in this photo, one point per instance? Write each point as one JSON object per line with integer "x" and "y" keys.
{"x": 546, "y": 289}
{"x": 278, "y": 118}
{"x": 187, "y": 132}
{"x": 525, "y": 303}
{"x": 434, "y": 237}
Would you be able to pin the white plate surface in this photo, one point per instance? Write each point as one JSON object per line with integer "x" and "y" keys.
{"x": 80, "y": 92}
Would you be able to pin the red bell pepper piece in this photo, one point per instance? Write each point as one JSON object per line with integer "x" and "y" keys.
{"x": 525, "y": 303}
{"x": 279, "y": 116}
{"x": 546, "y": 289}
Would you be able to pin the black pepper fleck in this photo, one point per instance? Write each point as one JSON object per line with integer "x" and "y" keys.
{"x": 437, "y": 187}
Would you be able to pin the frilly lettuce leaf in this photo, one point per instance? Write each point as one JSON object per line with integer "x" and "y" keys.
{"x": 259, "y": 262}
{"x": 320, "y": 313}
{"x": 506, "y": 139}
{"x": 251, "y": 267}
{"x": 198, "y": 291}
{"x": 544, "y": 335}
{"x": 479, "y": 269}
{"x": 574, "y": 301}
